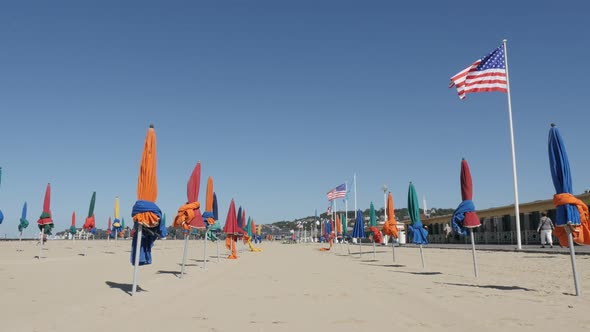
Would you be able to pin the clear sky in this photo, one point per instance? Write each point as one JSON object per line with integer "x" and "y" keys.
{"x": 281, "y": 101}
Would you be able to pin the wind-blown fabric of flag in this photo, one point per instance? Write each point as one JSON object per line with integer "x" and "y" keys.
{"x": 338, "y": 192}
{"x": 484, "y": 75}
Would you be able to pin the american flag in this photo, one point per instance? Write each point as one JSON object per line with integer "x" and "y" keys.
{"x": 484, "y": 75}
{"x": 338, "y": 192}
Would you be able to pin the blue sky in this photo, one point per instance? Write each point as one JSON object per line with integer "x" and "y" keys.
{"x": 282, "y": 101}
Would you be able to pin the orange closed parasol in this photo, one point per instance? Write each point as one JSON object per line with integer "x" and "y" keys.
{"x": 147, "y": 187}
{"x": 390, "y": 227}
{"x": 145, "y": 212}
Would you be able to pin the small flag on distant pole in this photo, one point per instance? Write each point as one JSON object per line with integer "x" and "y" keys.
{"x": 338, "y": 192}
{"x": 484, "y": 75}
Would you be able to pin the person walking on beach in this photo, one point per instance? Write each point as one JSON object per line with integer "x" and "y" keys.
{"x": 546, "y": 228}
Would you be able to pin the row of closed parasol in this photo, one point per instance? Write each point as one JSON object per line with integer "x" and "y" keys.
{"x": 148, "y": 217}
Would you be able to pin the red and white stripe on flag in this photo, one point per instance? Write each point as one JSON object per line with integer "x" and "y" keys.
{"x": 484, "y": 75}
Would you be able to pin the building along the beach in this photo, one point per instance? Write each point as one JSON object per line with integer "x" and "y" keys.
{"x": 498, "y": 224}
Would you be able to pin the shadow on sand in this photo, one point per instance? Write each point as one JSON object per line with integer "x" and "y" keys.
{"x": 385, "y": 265}
{"x": 419, "y": 273}
{"x": 543, "y": 257}
{"x": 124, "y": 287}
{"x": 498, "y": 287}
{"x": 174, "y": 273}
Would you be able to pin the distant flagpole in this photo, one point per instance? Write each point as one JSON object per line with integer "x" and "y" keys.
{"x": 516, "y": 207}
{"x": 346, "y": 203}
{"x": 334, "y": 210}
{"x": 354, "y": 196}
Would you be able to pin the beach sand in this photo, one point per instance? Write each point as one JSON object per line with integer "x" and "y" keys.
{"x": 288, "y": 288}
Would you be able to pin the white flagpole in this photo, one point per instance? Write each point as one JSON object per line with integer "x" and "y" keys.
{"x": 386, "y": 237}
{"x": 346, "y": 218}
{"x": 334, "y": 228}
{"x": 354, "y": 197}
{"x": 516, "y": 207}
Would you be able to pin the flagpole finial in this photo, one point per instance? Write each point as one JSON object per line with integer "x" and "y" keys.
{"x": 504, "y": 40}
{"x": 552, "y": 125}
{"x": 151, "y": 125}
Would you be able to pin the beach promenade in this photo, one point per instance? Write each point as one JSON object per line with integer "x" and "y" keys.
{"x": 291, "y": 287}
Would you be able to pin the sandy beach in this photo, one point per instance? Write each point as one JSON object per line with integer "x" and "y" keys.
{"x": 287, "y": 288}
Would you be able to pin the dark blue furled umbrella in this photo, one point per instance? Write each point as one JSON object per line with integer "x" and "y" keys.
{"x": 359, "y": 226}
{"x": 240, "y": 221}
{"x": 417, "y": 233}
{"x": 163, "y": 229}
{"x": 359, "y": 229}
{"x": 567, "y": 215}
{"x": 562, "y": 179}
{"x": 327, "y": 229}
{"x": 215, "y": 209}
{"x": 215, "y": 228}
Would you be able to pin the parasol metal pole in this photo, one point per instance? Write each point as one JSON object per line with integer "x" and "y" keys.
{"x": 374, "y": 250}
{"x": 136, "y": 265}
{"x": 473, "y": 252}
{"x": 86, "y": 248}
{"x": 205, "y": 251}
{"x": 422, "y": 257}
{"x": 20, "y": 239}
{"x": 393, "y": 248}
{"x": 570, "y": 240}
{"x": 217, "y": 242}
{"x": 516, "y": 207}
{"x": 186, "y": 236}
{"x": 360, "y": 248}
{"x": 42, "y": 236}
